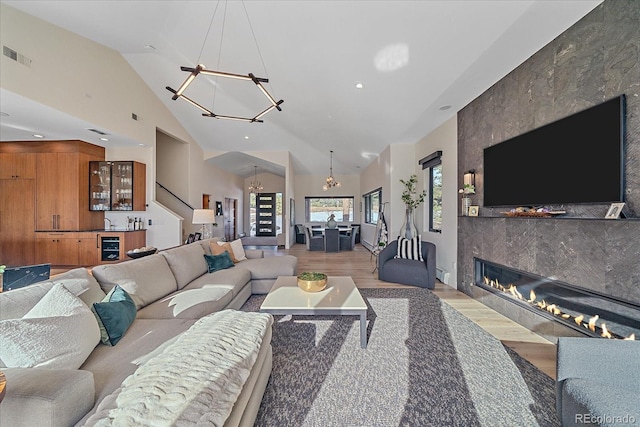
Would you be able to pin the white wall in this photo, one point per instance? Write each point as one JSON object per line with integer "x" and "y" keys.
{"x": 403, "y": 165}
{"x": 82, "y": 78}
{"x": 376, "y": 175}
{"x": 445, "y": 139}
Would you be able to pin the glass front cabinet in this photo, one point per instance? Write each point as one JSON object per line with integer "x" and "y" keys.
{"x": 117, "y": 186}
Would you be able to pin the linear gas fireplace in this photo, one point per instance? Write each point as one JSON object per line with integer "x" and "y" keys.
{"x": 588, "y": 312}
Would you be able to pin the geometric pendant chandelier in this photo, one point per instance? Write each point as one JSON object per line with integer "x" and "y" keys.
{"x": 200, "y": 69}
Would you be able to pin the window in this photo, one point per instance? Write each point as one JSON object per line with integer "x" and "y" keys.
{"x": 372, "y": 204}
{"x": 318, "y": 209}
{"x": 433, "y": 166}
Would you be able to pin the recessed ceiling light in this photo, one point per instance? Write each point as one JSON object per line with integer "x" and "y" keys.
{"x": 246, "y": 137}
{"x": 37, "y": 135}
{"x": 104, "y": 139}
{"x": 359, "y": 85}
{"x": 445, "y": 107}
{"x": 142, "y": 145}
{"x": 149, "y": 46}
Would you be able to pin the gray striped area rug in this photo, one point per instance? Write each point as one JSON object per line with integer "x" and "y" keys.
{"x": 425, "y": 365}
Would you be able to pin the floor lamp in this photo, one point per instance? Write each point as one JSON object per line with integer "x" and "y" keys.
{"x": 204, "y": 217}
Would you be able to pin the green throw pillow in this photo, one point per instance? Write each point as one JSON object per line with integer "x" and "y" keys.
{"x": 218, "y": 262}
{"x": 115, "y": 314}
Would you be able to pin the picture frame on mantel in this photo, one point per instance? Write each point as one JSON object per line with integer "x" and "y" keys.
{"x": 473, "y": 210}
{"x": 614, "y": 211}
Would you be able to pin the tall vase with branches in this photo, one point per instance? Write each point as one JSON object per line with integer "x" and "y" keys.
{"x": 412, "y": 198}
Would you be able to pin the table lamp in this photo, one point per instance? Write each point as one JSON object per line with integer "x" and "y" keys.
{"x": 204, "y": 217}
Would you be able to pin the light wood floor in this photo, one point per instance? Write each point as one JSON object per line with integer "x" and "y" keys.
{"x": 359, "y": 264}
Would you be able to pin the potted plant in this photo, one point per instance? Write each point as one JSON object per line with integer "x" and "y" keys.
{"x": 412, "y": 198}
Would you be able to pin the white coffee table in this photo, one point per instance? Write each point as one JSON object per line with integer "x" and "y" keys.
{"x": 340, "y": 297}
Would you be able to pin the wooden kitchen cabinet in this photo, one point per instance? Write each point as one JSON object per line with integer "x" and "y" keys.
{"x": 87, "y": 249}
{"x": 17, "y": 166}
{"x": 17, "y": 207}
{"x": 117, "y": 186}
{"x": 67, "y": 248}
{"x": 57, "y": 248}
{"x": 62, "y": 180}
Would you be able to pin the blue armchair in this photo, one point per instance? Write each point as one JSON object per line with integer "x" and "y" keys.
{"x": 407, "y": 271}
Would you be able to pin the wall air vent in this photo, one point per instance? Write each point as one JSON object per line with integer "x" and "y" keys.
{"x": 99, "y": 132}
{"x": 15, "y": 56}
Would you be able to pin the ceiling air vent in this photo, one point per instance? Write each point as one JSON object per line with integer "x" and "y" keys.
{"x": 18, "y": 57}
{"x": 99, "y": 132}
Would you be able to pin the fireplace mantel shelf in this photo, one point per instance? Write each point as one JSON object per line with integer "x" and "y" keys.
{"x": 561, "y": 218}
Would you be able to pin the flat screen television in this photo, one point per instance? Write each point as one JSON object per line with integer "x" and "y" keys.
{"x": 578, "y": 159}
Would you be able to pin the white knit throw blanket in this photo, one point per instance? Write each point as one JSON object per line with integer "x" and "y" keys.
{"x": 196, "y": 380}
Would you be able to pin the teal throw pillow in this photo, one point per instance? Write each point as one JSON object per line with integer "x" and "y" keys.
{"x": 115, "y": 314}
{"x": 218, "y": 262}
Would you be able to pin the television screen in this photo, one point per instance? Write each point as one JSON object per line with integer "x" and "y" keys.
{"x": 578, "y": 159}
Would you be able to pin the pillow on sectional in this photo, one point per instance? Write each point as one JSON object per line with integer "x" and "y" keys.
{"x": 410, "y": 248}
{"x": 218, "y": 248}
{"x": 238, "y": 250}
{"x": 115, "y": 313}
{"x": 145, "y": 279}
{"x": 219, "y": 262}
{"x": 58, "y": 332}
{"x": 91, "y": 291}
{"x": 18, "y": 302}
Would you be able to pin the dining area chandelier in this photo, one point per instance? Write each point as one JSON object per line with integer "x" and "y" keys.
{"x": 330, "y": 181}
{"x": 201, "y": 69}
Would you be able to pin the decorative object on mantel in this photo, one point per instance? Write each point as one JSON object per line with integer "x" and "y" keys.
{"x": 412, "y": 199}
{"x": 468, "y": 187}
{"x": 312, "y": 281}
{"x": 466, "y": 200}
{"x": 200, "y": 69}
{"x": 331, "y": 221}
{"x": 255, "y": 186}
{"x": 331, "y": 181}
{"x": 614, "y": 211}
{"x": 532, "y": 212}
{"x": 473, "y": 210}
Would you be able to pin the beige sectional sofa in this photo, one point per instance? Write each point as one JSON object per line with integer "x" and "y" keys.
{"x": 172, "y": 291}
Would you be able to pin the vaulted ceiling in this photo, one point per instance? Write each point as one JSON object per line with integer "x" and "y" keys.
{"x": 419, "y": 62}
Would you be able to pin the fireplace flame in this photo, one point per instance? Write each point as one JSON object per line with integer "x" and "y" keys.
{"x": 605, "y": 332}
{"x": 591, "y": 324}
{"x": 514, "y": 291}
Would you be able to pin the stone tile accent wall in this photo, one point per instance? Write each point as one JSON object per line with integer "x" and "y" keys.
{"x": 593, "y": 61}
